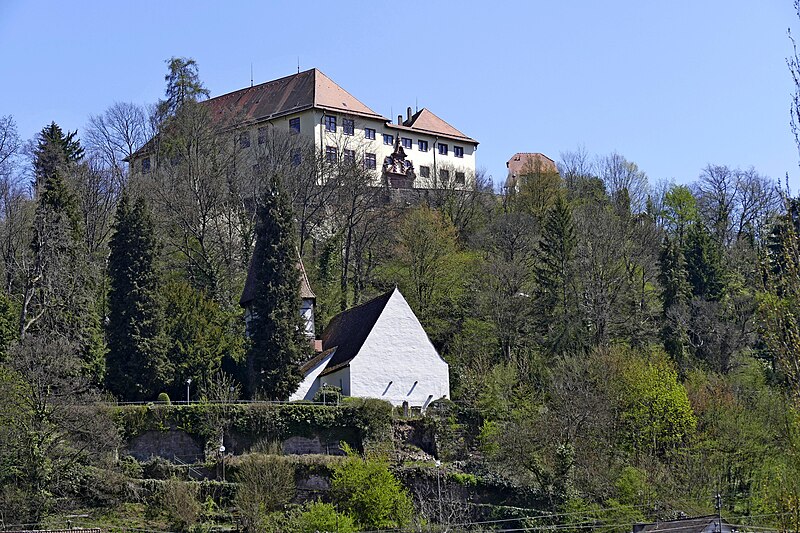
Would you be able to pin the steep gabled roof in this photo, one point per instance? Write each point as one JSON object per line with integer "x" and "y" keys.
{"x": 426, "y": 122}
{"x": 348, "y": 330}
{"x": 290, "y": 94}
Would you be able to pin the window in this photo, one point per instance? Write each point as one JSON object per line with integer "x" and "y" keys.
{"x": 388, "y": 139}
{"x": 424, "y": 171}
{"x": 349, "y": 156}
{"x": 330, "y": 123}
{"x": 296, "y": 157}
{"x": 369, "y": 133}
{"x": 442, "y": 149}
{"x": 459, "y": 178}
{"x": 444, "y": 175}
{"x": 369, "y": 161}
{"x": 294, "y": 124}
{"x": 458, "y": 151}
{"x": 145, "y": 165}
{"x": 331, "y": 154}
{"x": 423, "y": 146}
{"x": 348, "y": 126}
{"x": 262, "y": 135}
{"x": 406, "y": 142}
{"x": 244, "y": 140}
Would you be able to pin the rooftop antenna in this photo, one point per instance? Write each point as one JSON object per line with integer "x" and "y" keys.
{"x": 298, "y": 64}
{"x": 251, "y": 74}
{"x": 416, "y": 105}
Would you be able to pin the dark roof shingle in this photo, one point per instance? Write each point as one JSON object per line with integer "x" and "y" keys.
{"x": 348, "y": 330}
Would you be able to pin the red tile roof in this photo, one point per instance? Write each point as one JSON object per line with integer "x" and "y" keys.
{"x": 290, "y": 94}
{"x": 425, "y": 121}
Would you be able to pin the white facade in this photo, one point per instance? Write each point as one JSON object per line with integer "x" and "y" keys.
{"x": 396, "y": 363}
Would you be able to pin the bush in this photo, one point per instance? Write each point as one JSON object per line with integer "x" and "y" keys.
{"x": 368, "y": 491}
{"x": 266, "y": 483}
{"x": 323, "y": 518}
{"x": 163, "y": 397}
{"x": 328, "y": 396}
{"x": 179, "y": 501}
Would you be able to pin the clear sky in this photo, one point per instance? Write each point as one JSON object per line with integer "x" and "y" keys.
{"x": 672, "y": 86}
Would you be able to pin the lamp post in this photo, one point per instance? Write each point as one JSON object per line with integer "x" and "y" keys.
{"x": 222, "y": 458}
{"x": 188, "y": 382}
{"x": 439, "y": 487}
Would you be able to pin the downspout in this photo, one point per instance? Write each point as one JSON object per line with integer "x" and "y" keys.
{"x": 435, "y": 170}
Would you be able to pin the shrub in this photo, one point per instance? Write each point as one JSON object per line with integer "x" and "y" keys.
{"x": 368, "y": 491}
{"x": 179, "y": 502}
{"x": 322, "y": 517}
{"x": 266, "y": 483}
{"x": 163, "y": 397}
{"x": 328, "y": 396}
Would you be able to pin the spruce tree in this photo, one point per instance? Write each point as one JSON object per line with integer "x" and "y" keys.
{"x": 555, "y": 296}
{"x": 278, "y": 345}
{"x": 136, "y": 363}
{"x": 704, "y": 263}
{"x": 677, "y": 292}
{"x": 54, "y": 150}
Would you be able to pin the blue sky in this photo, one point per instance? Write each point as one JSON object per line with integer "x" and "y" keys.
{"x": 672, "y": 86}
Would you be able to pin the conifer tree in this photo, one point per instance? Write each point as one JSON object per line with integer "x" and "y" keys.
{"x": 278, "y": 345}
{"x": 704, "y": 263}
{"x": 676, "y": 295}
{"x": 136, "y": 362}
{"x": 554, "y": 275}
{"x": 54, "y": 150}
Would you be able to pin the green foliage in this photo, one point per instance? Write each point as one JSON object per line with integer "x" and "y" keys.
{"x": 704, "y": 264}
{"x": 366, "y": 490}
{"x": 278, "y": 345}
{"x": 680, "y": 210}
{"x": 137, "y": 365}
{"x": 354, "y": 420}
{"x": 655, "y": 407}
{"x": 54, "y": 151}
{"x": 318, "y": 517}
{"x": 183, "y": 86}
{"x": 163, "y": 397}
{"x": 264, "y": 484}
{"x": 199, "y": 333}
{"x": 179, "y": 501}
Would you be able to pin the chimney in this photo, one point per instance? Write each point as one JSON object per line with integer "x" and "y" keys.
{"x": 399, "y": 120}
{"x": 408, "y": 112}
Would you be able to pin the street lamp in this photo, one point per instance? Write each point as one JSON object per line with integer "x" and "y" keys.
{"x": 222, "y": 458}
{"x": 188, "y": 382}
{"x": 439, "y": 487}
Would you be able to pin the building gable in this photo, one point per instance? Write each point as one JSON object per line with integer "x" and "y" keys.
{"x": 397, "y": 361}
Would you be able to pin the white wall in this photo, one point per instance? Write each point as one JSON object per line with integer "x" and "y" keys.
{"x": 340, "y": 378}
{"x": 310, "y": 385}
{"x": 397, "y": 362}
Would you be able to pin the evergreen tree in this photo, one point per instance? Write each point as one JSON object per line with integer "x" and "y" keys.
{"x": 137, "y": 367}
{"x": 54, "y": 150}
{"x": 704, "y": 263}
{"x": 554, "y": 276}
{"x": 183, "y": 85}
{"x": 676, "y": 295}
{"x": 58, "y": 295}
{"x": 278, "y": 345}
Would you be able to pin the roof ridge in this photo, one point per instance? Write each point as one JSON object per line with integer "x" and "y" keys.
{"x": 258, "y": 85}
